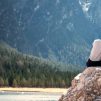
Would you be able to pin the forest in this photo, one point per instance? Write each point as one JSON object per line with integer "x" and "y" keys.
{"x": 21, "y": 70}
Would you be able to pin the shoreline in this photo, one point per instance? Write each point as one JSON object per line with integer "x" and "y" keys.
{"x": 25, "y": 89}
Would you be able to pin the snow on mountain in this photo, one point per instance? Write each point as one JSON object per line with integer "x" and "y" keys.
{"x": 91, "y": 9}
{"x": 85, "y": 4}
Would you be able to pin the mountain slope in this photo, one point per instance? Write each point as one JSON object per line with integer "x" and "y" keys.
{"x": 20, "y": 70}
{"x": 57, "y": 30}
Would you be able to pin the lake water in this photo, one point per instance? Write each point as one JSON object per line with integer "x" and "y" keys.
{"x": 29, "y": 96}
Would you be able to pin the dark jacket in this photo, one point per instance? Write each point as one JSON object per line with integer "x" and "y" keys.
{"x": 91, "y": 63}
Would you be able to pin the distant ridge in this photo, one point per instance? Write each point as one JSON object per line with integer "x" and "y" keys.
{"x": 7, "y": 46}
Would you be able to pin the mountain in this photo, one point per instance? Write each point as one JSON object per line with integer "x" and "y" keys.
{"x": 58, "y": 30}
{"x": 21, "y": 70}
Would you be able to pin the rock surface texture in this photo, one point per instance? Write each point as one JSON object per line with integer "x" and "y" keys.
{"x": 85, "y": 87}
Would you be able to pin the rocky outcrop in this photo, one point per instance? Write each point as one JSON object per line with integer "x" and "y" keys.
{"x": 85, "y": 86}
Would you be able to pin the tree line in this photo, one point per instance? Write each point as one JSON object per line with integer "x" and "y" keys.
{"x": 20, "y": 70}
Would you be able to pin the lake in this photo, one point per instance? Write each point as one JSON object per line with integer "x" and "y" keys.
{"x": 28, "y": 96}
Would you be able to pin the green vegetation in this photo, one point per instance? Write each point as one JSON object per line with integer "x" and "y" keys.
{"x": 20, "y": 70}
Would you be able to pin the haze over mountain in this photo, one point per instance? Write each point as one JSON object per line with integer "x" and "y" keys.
{"x": 60, "y": 30}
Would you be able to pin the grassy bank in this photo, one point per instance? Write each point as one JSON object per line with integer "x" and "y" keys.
{"x": 48, "y": 90}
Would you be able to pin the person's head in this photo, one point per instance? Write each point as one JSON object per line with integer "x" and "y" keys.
{"x": 97, "y": 41}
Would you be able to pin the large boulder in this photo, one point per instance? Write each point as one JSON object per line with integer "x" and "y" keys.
{"x": 85, "y": 86}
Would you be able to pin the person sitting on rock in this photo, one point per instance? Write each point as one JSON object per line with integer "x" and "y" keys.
{"x": 95, "y": 55}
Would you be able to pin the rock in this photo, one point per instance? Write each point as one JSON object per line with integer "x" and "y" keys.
{"x": 86, "y": 86}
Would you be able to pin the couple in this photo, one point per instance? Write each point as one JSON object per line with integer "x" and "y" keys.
{"x": 95, "y": 55}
